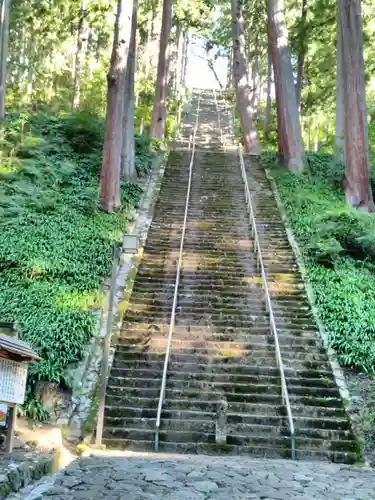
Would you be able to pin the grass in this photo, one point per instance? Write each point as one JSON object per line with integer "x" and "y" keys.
{"x": 55, "y": 243}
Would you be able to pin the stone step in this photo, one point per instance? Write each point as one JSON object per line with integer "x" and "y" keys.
{"x": 127, "y": 396}
{"x": 220, "y": 321}
{"x": 145, "y": 340}
{"x": 238, "y": 369}
{"x": 197, "y": 331}
{"x": 191, "y": 388}
{"x": 196, "y": 448}
{"x": 208, "y": 334}
{"x": 184, "y": 352}
{"x": 278, "y": 436}
{"x": 260, "y": 451}
{"x": 148, "y": 409}
{"x": 236, "y": 424}
{"x": 203, "y": 362}
{"x": 137, "y": 377}
{"x": 231, "y": 297}
{"x": 248, "y": 317}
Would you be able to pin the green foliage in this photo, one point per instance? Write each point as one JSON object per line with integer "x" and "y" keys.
{"x": 145, "y": 148}
{"x": 55, "y": 244}
{"x": 34, "y": 409}
{"x": 338, "y": 246}
{"x": 42, "y": 46}
{"x": 327, "y": 169}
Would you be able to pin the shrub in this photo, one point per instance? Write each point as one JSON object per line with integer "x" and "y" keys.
{"x": 338, "y": 246}
{"x": 145, "y": 148}
{"x": 55, "y": 244}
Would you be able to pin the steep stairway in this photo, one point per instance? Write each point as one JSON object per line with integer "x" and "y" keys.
{"x": 222, "y": 350}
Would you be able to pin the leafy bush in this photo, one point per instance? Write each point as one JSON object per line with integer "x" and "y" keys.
{"x": 326, "y": 168}
{"x": 55, "y": 244}
{"x": 145, "y": 148}
{"x": 34, "y": 409}
{"x": 338, "y": 246}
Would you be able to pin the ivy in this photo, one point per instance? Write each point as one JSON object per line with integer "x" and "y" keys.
{"x": 55, "y": 244}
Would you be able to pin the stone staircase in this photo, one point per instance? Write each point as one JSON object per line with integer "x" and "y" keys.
{"x": 222, "y": 350}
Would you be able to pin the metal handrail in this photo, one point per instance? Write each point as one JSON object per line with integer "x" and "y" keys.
{"x": 177, "y": 282}
{"x": 260, "y": 265}
{"x": 218, "y": 117}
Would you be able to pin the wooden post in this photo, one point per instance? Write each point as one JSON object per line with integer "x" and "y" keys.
{"x": 107, "y": 345}
{"x": 12, "y": 412}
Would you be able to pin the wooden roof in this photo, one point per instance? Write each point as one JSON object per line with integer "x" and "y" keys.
{"x": 17, "y": 347}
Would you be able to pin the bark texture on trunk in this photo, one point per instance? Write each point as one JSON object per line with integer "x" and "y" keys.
{"x": 229, "y": 68}
{"x": 159, "y": 111}
{"x": 316, "y": 138}
{"x": 290, "y": 143}
{"x": 241, "y": 80}
{"x": 180, "y": 42}
{"x": 5, "y": 7}
{"x": 256, "y": 82}
{"x": 128, "y": 142}
{"x": 340, "y": 113}
{"x": 302, "y": 52}
{"x": 110, "y": 171}
{"x": 185, "y": 58}
{"x": 173, "y": 62}
{"x": 356, "y": 155}
{"x": 80, "y": 54}
{"x": 267, "y": 117}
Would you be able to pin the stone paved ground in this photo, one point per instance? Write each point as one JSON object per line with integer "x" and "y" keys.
{"x": 131, "y": 476}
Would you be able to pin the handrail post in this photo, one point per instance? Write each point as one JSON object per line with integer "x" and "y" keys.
{"x": 293, "y": 445}
{"x": 175, "y": 295}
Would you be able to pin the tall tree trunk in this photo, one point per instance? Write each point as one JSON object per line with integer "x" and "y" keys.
{"x": 4, "y": 36}
{"x": 241, "y": 80}
{"x": 173, "y": 64}
{"x": 128, "y": 142}
{"x": 229, "y": 68}
{"x": 340, "y": 112}
{"x": 80, "y": 54}
{"x": 316, "y": 138}
{"x": 180, "y": 48}
{"x": 110, "y": 171}
{"x": 186, "y": 59}
{"x": 159, "y": 111}
{"x": 290, "y": 142}
{"x": 356, "y": 155}
{"x": 255, "y": 97}
{"x": 308, "y": 135}
{"x": 302, "y": 52}
{"x": 267, "y": 117}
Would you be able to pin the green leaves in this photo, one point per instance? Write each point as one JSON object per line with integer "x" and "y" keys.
{"x": 55, "y": 245}
{"x": 145, "y": 147}
{"x": 338, "y": 246}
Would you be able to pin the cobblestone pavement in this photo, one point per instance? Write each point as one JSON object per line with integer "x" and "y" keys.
{"x": 186, "y": 477}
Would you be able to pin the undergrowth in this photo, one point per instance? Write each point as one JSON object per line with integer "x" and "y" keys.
{"x": 55, "y": 243}
{"x": 338, "y": 247}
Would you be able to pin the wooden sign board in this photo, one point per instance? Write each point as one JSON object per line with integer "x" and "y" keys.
{"x": 13, "y": 376}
